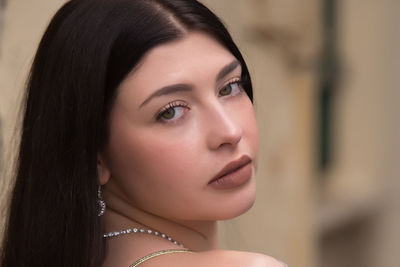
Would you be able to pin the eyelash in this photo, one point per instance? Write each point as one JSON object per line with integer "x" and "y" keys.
{"x": 182, "y": 104}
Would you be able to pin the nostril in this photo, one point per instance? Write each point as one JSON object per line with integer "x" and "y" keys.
{"x": 233, "y": 143}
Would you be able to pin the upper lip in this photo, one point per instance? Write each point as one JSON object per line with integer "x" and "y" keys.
{"x": 232, "y": 166}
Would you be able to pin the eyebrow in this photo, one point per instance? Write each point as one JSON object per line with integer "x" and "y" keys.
{"x": 227, "y": 69}
{"x": 182, "y": 87}
{"x": 166, "y": 90}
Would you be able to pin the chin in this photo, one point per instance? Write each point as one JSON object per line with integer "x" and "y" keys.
{"x": 237, "y": 204}
{"x": 237, "y": 211}
{"x": 223, "y": 205}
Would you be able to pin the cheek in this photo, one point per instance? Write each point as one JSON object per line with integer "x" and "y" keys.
{"x": 144, "y": 160}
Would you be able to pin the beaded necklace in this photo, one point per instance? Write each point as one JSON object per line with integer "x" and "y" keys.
{"x": 138, "y": 231}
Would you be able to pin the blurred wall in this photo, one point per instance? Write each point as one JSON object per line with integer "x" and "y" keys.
{"x": 359, "y": 211}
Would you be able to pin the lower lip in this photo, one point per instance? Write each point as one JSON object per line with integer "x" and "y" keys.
{"x": 234, "y": 179}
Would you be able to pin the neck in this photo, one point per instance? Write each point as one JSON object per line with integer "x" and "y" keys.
{"x": 195, "y": 235}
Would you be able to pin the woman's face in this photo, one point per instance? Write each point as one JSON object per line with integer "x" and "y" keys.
{"x": 179, "y": 118}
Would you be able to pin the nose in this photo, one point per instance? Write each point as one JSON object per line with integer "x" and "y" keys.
{"x": 223, "y": 129}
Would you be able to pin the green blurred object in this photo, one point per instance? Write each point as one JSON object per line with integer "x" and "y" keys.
{"x": 328, "y": 81}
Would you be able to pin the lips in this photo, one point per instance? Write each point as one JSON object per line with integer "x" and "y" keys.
{"x": 232, "y": 167}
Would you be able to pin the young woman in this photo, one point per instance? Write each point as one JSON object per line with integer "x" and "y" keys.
{"x": 139, "y": 135}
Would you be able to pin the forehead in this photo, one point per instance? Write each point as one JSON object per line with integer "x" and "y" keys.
{"x": 195, "y": 58}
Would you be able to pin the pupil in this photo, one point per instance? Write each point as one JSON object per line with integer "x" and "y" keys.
{"x": 169, "y": 114}
{"x": 226, "y": 90}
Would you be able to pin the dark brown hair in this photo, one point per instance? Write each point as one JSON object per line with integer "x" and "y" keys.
{"x": 87, "y": 50}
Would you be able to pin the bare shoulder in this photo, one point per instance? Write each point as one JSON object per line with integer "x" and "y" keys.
{"x": 221, "y": 258}
{"x": 238, "y": 259}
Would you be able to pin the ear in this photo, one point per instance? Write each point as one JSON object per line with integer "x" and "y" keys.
{"x": 102, "y": 170}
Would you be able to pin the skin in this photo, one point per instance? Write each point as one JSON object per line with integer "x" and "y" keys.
{"x": 155, "y": 172}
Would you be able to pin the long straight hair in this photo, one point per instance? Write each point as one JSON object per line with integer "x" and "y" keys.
{"x": 88, "y": 48}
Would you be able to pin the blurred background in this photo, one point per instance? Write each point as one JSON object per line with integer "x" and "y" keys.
{"x": 326, "y": 79}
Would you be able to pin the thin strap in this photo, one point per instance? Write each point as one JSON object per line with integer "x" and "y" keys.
{"x": 158, "y": 253}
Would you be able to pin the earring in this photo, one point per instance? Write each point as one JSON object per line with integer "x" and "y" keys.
{"x": 100, "y": 202}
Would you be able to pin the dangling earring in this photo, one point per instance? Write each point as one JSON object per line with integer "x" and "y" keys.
{"x": 100, "y": 202}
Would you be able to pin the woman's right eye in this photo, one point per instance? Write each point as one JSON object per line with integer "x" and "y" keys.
{"x": 172, "y": 112}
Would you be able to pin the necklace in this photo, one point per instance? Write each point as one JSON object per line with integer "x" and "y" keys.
{"x": 138, "y": 231}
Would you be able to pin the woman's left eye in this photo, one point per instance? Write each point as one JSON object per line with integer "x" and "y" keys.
{"x": 231, "y": 88}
